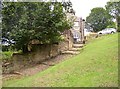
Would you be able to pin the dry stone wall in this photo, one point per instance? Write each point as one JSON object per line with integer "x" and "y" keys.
{"x": 38, "y": 54}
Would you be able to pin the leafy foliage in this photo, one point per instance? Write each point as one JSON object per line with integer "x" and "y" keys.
{"x": 98, "y": 19}
{"x": 25, "y": 21}
{"x": 68, "y": 7}
{"x": 6, "y": 55}
{"x": 114, "y": 9}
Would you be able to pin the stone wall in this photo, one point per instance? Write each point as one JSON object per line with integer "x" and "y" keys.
{"x": 38, "y": 54}
{"x": 90, "y": 36}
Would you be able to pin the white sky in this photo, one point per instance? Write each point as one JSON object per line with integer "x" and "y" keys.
{"x": 83, "y": 7}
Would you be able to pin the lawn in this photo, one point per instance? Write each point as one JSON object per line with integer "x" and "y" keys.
{"x": 96, "y": 65}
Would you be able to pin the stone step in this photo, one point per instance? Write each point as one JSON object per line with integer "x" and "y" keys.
{"x": 70, "y": 52}
{"x": 75, "y": 49}
{"x": 78, "y": 45}
{"x": 48, "y": 63}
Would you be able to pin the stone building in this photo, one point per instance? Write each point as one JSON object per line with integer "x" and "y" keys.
{"x": 78, "y": 30}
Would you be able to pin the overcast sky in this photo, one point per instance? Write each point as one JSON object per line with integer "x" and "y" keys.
{"x": 83, "y": 7}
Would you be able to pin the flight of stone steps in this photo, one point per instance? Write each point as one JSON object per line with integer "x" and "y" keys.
{"x": 74, "y": 50}
{"x": 64, "y": 54}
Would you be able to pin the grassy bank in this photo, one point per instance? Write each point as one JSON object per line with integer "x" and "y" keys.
{"x": 96, "y": 65}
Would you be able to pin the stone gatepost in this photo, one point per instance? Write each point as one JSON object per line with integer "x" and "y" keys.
{"x": 82, "y": 24}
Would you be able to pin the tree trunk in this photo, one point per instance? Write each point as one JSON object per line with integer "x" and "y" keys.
{"x": 118, "y": 24}
{"x": 25, "y": 48}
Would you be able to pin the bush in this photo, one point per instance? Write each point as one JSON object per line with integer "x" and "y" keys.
{"x": 5, "y": 48}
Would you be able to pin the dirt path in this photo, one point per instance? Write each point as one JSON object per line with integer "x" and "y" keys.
{"x": 34, "y": 69}
{"x": 38, "y": 67}
{"x": 44, "y": 65}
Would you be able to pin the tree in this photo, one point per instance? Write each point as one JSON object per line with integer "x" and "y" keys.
{"x": 25, "y": 21}
{"x": 98, "y": 19}
{"x": 68, "y": 7}
{"x": 113, "y": 9}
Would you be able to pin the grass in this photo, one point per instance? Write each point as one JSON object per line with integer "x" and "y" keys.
{"x": 96, "y": 66}
{"x": 6, "y": 55}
